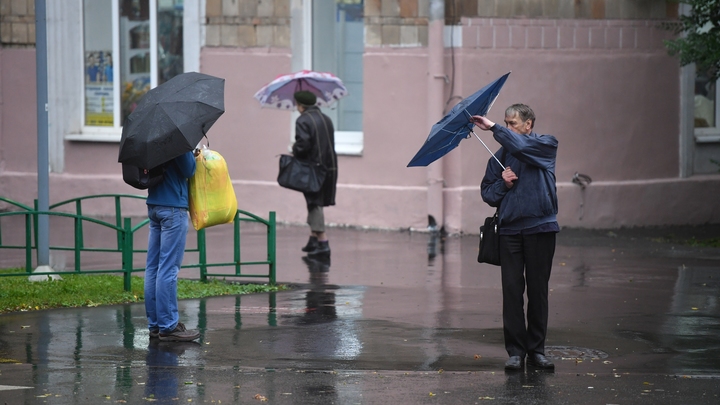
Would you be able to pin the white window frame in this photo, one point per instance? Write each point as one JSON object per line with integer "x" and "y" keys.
{"x": 711, "y": 134}
{"x": 701, "y": 135}
{"x": 193, "y": 14}
{"x": 346, "y": 142}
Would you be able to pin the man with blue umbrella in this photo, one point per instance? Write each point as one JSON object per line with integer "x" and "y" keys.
{"x": 525, "y": 194}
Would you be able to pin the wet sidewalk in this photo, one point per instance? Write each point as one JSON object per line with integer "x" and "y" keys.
{"x": 395, "y": 318}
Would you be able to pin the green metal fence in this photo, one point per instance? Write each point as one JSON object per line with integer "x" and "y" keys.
{"x": 124, "y": 232}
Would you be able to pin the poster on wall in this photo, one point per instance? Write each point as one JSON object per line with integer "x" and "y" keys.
{"x": 99, "y": 88}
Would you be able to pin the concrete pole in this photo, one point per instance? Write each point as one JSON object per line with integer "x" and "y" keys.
{"x": 43, "y": 255}
{"x": 436, "y": 79}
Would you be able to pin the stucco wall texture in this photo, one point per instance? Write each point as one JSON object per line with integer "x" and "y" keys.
{"x": 605, "y": 88}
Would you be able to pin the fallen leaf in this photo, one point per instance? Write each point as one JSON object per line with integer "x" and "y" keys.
{"x": 260, "y": 398}
{"x": 478, "y": 357}
{"x": 432, "y": 395}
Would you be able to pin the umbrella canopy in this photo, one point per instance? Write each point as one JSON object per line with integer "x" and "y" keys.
{"x": 171, "y": 119}
{"x": 279, "y": 93}
{"x": 457, "y": 124}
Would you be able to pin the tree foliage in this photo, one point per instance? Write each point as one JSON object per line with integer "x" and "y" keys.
{"x": 700, "y": 42}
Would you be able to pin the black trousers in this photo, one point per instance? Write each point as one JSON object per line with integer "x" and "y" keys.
{"x": 526, "y": 260}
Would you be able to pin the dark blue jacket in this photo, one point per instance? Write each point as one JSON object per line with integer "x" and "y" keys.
{"x": 532, "y": 201}
{"x": 173, "y": 190}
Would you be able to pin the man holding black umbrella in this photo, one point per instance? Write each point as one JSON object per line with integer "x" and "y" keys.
{"x": 525, "y": 193}
{"x": 167, "y": 204}
{"x": 163, "y": 130}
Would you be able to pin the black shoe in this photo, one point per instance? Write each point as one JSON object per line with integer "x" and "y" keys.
{"x": 179, "y": 334}
{"x": 323, "y": 248}
{"x": 311, "y": 244}
{"x": 540, "y": 361}
{"x": 514, "y": 363}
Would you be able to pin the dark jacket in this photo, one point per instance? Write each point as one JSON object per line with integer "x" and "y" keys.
{"x": 315, "y": 142}
{"x": 173, "y": 190}
{"x": 532, "y": 201}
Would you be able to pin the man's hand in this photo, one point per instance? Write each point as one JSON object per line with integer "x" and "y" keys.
{"x": 508, "y": 177}
{"x": 482, "y": 122}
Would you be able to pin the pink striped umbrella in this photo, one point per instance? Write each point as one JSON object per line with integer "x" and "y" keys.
{"x": 279, "y": 93}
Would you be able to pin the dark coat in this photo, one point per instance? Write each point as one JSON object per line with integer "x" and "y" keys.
{"x": 532, "y": 201}
{"x": 315, "y": 142}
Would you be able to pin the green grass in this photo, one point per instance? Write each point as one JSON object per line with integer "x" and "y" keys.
{"x": 712, "y": 242}
{"x": 19, "y": 294}
{"x": 694, "y": 242}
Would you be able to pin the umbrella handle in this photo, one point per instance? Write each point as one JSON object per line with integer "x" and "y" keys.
{"x": 206, "y": 138}
{"x": 488, "y": 149}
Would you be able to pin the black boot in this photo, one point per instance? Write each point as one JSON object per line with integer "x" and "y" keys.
{"x": 311, "y": 244}
{"x": 323, "y": 248}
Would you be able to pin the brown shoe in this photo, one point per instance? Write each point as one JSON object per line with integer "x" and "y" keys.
{"x": 179, "y": 334}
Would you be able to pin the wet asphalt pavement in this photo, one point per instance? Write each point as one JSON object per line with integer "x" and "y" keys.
{"x": 394, "y": 318}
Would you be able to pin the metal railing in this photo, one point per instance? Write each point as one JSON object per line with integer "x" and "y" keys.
{"x": 124, "y": 233}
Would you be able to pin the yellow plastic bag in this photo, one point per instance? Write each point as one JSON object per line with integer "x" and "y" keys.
{"x": 212, "y": 197}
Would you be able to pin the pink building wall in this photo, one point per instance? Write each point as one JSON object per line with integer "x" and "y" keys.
{"x": 613, "y": 105}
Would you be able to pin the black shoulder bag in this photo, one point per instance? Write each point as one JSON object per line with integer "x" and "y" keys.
{"x": 489, "y": 250}
{"x": 302, "y": 175}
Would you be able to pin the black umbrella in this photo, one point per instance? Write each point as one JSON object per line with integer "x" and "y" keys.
{"x": 171, "y": 119}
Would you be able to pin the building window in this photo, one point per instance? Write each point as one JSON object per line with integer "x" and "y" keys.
{"x": 337, "y": 47}
{"x": 129, "y": 46}
{"x": 706, "y": 105}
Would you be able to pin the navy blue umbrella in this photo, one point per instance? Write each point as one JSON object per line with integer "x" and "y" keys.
{"x": 457, "y": 125}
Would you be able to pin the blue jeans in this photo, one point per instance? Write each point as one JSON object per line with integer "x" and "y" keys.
{"x": 166, "y": 246}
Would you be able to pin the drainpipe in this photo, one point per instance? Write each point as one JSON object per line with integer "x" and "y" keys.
{"x": 436, "y": 80}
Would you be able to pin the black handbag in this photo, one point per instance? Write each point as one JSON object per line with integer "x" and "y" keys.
{"x": 489, "y": 251}
{"x": 299, "y": 175}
